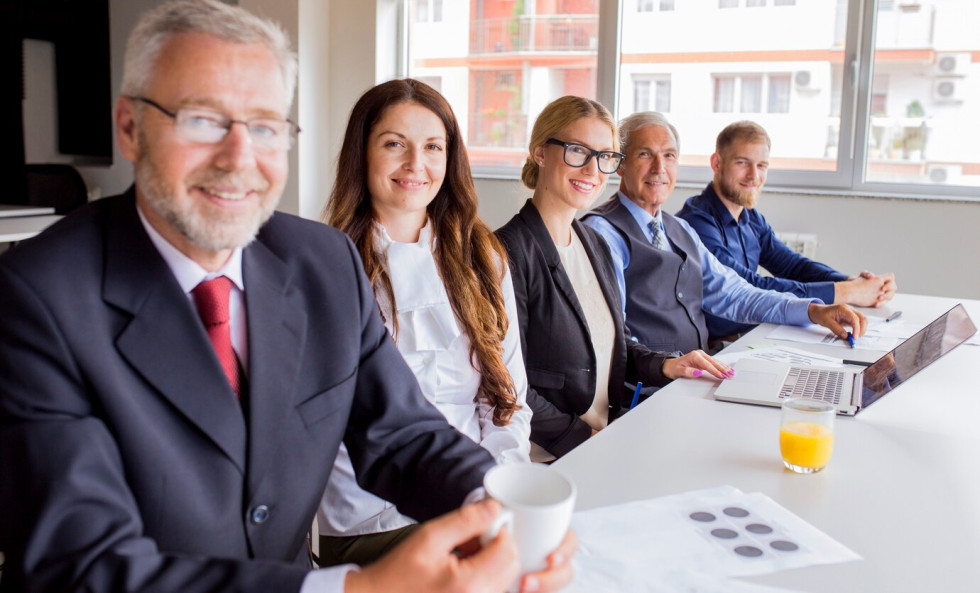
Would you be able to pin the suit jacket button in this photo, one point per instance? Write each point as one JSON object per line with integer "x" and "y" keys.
{"x": 680, "y": 295}
{"x": 259, "y": 514}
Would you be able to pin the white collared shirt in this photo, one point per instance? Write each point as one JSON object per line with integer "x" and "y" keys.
{"x": 438, "y": 352}
{"x": 189, "y": 274}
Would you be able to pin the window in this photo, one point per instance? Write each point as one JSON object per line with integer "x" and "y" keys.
{"x": 893, "y": 81}
{"x": 428, "y": 11}
{"x": 752, "y": 91}
{"x": 779, "y": 90}
{"x": 751, "y": 94}
{"x": 724, "y": 94}
{"x": 652, "y": 5}
{"x": 660, "y": 87}
{"x": 500, "y": 62}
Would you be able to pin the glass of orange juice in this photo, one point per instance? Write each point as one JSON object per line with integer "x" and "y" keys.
{"x": 806, "y": 434}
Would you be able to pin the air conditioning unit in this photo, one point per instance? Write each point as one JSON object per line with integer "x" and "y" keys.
{"x": 802, "y": 79}
{"x": 944, "y": 174}
{"x": 947, "y": 90}
{"x": 951, "y": 64}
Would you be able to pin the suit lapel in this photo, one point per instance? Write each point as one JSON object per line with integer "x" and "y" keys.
{"x": 164, "y": 340}
{"x": 276, "y": 337}
{"x": 558, "y": 275}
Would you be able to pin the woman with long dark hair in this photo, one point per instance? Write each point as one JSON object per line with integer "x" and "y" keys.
{"x": 405, "y": 196}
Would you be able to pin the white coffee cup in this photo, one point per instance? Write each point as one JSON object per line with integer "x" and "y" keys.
{"x": 537, "y": 509}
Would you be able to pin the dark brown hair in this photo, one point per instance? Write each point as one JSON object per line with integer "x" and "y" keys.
{"x": 470, "y": 258}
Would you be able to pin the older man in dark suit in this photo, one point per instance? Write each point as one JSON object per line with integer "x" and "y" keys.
{"x": 179, "y": 364}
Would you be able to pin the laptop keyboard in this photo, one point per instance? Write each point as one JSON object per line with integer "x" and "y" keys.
{"x": 813, "y": 384}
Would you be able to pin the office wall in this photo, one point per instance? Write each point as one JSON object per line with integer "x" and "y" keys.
{"x": 929, "y": 244}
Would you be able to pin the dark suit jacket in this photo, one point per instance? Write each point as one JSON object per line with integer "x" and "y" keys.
{"x": 555, "y": 337}
{"x": 125, "y": 461}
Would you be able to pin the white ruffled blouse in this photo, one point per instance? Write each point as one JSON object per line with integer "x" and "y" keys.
{"x": 438, "y": 352}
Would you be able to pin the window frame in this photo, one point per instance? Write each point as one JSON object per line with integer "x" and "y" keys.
{"x": 855, "y": 115}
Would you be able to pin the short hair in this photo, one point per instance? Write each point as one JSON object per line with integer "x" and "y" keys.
{"x": 555, "y": 117}
{"x": 632, "y": 123}
{"x": 211, "y": 17}
{"x": 745, "y": 131}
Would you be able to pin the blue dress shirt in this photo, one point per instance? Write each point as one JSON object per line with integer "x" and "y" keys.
{"x": 745, "y": 244}
{"x": 726, "y": 294}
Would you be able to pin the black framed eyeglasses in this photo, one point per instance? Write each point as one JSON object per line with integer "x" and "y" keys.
{"x": 207, "y": 126}
{"x": 577, "y": 155}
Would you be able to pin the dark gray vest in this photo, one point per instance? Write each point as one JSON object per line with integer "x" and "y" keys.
{"x": 664, "y": 290}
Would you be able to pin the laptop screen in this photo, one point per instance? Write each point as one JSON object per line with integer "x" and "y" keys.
{"x": 916, "y": 353}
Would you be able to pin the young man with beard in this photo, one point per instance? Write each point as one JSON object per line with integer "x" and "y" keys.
{"x": 728, "y": 224}
{"x": 180, "y": 363}
{"x": 668, "y": 279}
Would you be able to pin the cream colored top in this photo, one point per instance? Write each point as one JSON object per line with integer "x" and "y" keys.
{"x": 579, "y": 269}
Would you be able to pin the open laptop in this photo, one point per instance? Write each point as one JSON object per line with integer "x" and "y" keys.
{"x": 769, "y": 383}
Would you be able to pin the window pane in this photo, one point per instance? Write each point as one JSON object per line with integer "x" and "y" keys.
{"x": 500, "y": 62}
{"x": 779, "y": 93}
{"x": 666, "y": 5}
{"x": 781, "y": 68}
{"x": 644, "y": 5}
{"x": 724, "y": 94}
{"x": 641, "y": 95}
{"x": 751, "y": 94}
{"x": 662, "y": 103}
{"x": 922, "y": 94}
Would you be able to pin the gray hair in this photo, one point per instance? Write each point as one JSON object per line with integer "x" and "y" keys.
{"x": 210, "y": 17}
{"x": 642, "y": 119}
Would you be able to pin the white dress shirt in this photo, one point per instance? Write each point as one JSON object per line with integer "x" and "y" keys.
{"x": 438, "y": 352}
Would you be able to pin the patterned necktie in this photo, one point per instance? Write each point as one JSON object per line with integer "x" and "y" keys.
{"x": 659, "y": 237}
{"x": 211, "y": 298}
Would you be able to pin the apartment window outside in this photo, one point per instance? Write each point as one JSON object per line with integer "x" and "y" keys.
{"x": 751, "y": 94}
{"x": 651, "y": 94}
{"x": 428, "y": 11}
{"x": 790, "y": 69}
{"x": 500, "y": 63}
{"x": 779, "y": 93}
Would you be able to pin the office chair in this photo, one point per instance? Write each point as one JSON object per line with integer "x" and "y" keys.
{"x": 55, "y": 185}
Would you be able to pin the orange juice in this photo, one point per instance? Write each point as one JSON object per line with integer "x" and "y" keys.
{"x": 806, "y": 444}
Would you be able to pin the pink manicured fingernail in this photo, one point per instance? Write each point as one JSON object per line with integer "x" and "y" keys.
{"x": 530, "y": 584}
{"x": 731, "y": 372}
{"x": 697, "y": 372}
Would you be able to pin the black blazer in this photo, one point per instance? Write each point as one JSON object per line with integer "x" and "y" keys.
{"x": 555, "y": 337}
{"x": 125, "y": 461}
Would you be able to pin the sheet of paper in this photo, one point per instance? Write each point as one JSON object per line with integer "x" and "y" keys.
{"x": 784, "y": 354}
{"x": 816, "y": 334}
{"x": 665, "y": 544}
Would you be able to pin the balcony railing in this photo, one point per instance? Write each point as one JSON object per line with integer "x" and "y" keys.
{"x": 497, "y": 130}
{"x": 535, "y": 33}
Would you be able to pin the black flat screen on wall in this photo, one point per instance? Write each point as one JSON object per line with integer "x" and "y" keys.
{"x": 79, "y": 31}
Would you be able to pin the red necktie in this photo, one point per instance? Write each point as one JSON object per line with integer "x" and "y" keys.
{"x": 211, "y": 298}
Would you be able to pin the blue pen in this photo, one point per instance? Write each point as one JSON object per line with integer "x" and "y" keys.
{"x": 636, "y": 394}
{"x": 850, "y": 339}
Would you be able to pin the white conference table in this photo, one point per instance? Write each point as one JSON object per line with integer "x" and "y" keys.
{"x": 902, "y": 489}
